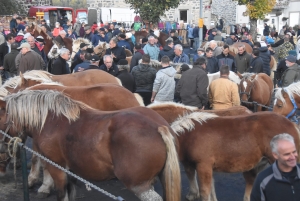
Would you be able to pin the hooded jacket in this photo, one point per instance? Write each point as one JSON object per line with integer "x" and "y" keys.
{"x": 168, "y": 51}
{"x": 290, "y": 75}
{"x": 164, "y": 84}
{"x": 256, "y": 65}
{"x": 265, "y": 55}
{"x": 135, "y": 58}
{"x": 144, "y": 76}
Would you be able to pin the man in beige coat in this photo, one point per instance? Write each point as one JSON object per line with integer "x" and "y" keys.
{"x": 223, "y": 93}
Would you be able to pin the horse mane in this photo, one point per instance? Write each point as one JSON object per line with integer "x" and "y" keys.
{"x": 234, "y": 77}
{"x": 172, "y": 104}
{"x": 31, "y": 108}
{"x": 248, "y": 76}
{"x": 233, "y": 49}
{"x": 290, "y": 90}
{"x": 81, "y": 40}
{"x": 38, "y": 74}
{"x": 186, "y": 121}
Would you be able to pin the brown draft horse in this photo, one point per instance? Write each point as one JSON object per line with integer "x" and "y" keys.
{"x": 256, "y": 87}
{"x": 34, "y": 77}
{"x": 96, "y": 145}
{"x": 144, "y": 34}
{"x": 287, "y": 100}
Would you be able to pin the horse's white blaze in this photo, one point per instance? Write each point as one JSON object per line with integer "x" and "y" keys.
{"x": 245, "y": 85}
{"x": 275, "y": 101}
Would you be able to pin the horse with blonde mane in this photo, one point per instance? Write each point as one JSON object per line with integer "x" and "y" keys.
{"x": 76, "y": 45}
{"x": 34, "y": 77}
{"x": 287, "y": 100}
{"x": 96, "y": 145}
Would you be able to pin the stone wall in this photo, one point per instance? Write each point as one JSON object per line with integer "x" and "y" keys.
{"x": 28, "y": 3}
{"x": 227, "y": 11}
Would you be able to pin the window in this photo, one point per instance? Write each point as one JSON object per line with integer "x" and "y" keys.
{"x": 183, "y": 15}
{"x": 294, "y": 19}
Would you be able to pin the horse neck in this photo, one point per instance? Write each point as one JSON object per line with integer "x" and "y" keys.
{"x": 170, "y": 114}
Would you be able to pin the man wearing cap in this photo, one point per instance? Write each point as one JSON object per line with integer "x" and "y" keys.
{"x": 109, "y": 65}
{"x": 100, "y": 37}
{"x": 231, "y": 39}
{"x": 292, "y": 73}
{"x": 29, "y": 60}
{"x": 126, "y": 78}
{"x": 94, "y": 63}
{"x": 284, "y": 48}
{"x": 83, "y": 46}
{"x": 200, "y": 53}
{"x": 20, "y": 26}
{"x": 85, "y": 64}
{"x": 37, "y": 47}
{"x": 164, "y": 83}
{"x": 60, "y": 66}
{"x": 282, "y": 66}
{"x": 78, "y": 61}
{"x": 123, "y": 43}
{"x": 9, "y": 63}
{"x": 6, "y": 48}
{"x": 167, "y": 50}
{"x": 88, "y": 33}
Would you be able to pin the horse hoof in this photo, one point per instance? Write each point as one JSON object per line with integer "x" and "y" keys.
{"x": 41, "y": 195}
{"x": 191, "y": 196}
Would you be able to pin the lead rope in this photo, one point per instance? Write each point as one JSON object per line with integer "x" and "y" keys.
{"x": 12, "y": 151}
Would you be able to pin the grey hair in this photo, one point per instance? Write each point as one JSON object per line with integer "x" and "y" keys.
{"x": 114, "y": 39}
{"x": 178, "y": 46}
{"x": 262, "y": 38}
{"x": 150, "y": 37}
{"x": 242, "y": 45}
{"x": 277, "y": 138}
{"x": 107, "y": 56}
{"x": 63, "y": 51}
{"x": 123, "y": 67}
{"x": 213, "y": 42}
{"x": 62, "y": 32}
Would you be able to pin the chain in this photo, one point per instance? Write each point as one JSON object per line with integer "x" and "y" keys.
{"x": 65, "y": 170}
{"x": 247, "y": 102}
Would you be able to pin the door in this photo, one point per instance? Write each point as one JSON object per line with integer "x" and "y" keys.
{"x": 92, "y": 16}
{"x": 183, "y": 15}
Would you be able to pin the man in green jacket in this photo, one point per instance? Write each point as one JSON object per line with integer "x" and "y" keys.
{"x": 242, "y": 59}
{"x": 292, "y": 73}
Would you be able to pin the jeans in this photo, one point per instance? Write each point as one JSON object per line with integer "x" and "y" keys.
{"x": 196, "y": 43}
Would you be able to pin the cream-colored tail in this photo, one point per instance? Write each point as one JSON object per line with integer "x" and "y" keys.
{"x": 172, "y": 177}
{"x": 139, "y": 99}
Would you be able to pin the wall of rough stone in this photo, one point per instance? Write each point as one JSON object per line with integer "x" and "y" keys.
{"x": 225, "y": 9}
{"x": 28, "y": 3}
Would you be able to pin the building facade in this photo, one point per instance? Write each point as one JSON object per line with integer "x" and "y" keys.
{"x": 28, "y": 3}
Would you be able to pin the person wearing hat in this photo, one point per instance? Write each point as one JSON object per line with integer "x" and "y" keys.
{"x": 200, "y": 53}
{"x": 43, "y": 23}
{"x": 292, "y": 73}
{"x": 126, "y": 78}
{"x": 164, "y": 83}
{"x": 282, "y": 67}
{"x": 5, "y": 48}
{"x": 285, "y": 48}
{"x": 100, "y": 37}
{"x": 123, "y": 43}
{"x": 79, "y": 60}
{"x": 20, "y": 25}
{"x": 83, "y": 46}
{"x": 9, "y": 63}
{"x": 231, "y": 39}
{"x": 56, "y": 29}
{"x": 129, "y": 37}
{"x": 95, "y": 60}
{"x": 212, "y": 35}
{"x": 60, "y": 66}
{"x": 88, "y": 33}
{"x": 85, "y": 64}
{"x": 167, "y": 50}
{"x": 19, "y": 37}
{"x": 29, "y": 60}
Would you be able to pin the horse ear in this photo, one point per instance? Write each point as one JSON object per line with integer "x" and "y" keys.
{"x": 240, "y": 75}
{"x": 253, "y": 76}
{"x": 284, "y": 94}
{"x": 23, "y": 81}
{"x": 103, "y": 45}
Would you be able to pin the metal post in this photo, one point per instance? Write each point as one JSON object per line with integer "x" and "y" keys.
{"x": 254, "y": 106}
{"x": 200, "y": 28}
{"x": 24, "y": 174}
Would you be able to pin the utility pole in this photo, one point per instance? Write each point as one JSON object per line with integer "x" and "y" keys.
{"x": 201, "y": 23}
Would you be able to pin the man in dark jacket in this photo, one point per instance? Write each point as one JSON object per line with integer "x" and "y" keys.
{"x": 212, "y": 35}
{"x": 193, "y": 84}
{"x": 109, "y": 65}
{"x": 281, "y": 180}
{"x": 88, "y": 33}
{"x": 266, "y": 31}
{"x": 242, "y": 60}
{"x": 292, "y": 73}
{"x": 281, "y": 41}
{"x": 212, "y": 62}
{"x": 144, "y": 76}
{"x": 139, "y": 52}
{"x": 94, "y": 63}
{"x": 256, "y": 63}
{"x": 60, "y": 66}
{"x": 116, "y": 52}
{"x": 168, "y": 51}
{"x": 281, "y": 67}
{"x": 226, "y": 59}
{"x": 123, "y": 43}
{"x": 13, "y": 24}
{"x": 175, "y": 38}
{"x": 6, "y": 48}
{"x": 85, "y": 64}
{"x": 41, "y": 52}
{"x": 126, "y": 78}
{"x": 231, "y": 39}
{"x": 9, "y": 63}
{"x": 265, "y": 55}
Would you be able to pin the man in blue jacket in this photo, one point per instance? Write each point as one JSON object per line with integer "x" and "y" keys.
{"x": 100, "y": 37}
{"x": 281, "y": 180}
{"x": 123, "y": 43}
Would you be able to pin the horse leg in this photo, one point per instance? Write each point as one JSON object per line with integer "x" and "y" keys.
{"x": 34, "y": 171}
{"x": 146, "y": 193}
{"x": 250, "y": 177}
{"x": 193, "y": 193}
{"x": 205, "y": 176}
{"x": 48, "y": 184}
{"x": 60, "y": 181}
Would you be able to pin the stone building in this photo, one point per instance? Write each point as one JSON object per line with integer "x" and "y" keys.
{"x": 28, "y": 3}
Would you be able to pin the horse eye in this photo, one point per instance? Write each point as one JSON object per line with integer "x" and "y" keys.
{"x": 279, "y": 105}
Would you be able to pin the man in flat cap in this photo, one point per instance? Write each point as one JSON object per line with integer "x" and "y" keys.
{"x": 292, "y": 73}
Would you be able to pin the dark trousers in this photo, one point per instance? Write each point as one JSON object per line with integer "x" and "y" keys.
{"x": 146, "y": 97}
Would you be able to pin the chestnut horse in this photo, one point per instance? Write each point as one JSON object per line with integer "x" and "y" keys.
{"x": 144, "y": 34}
{"x": 287, "y": 100}
{"x": 256, "y": 87}
{"x": 96, "y": 145}
{"x": 36, "y": 31}
{"x": 34, "y": 77}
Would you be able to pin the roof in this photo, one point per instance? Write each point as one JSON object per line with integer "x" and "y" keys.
{"x": 50, "y": 7}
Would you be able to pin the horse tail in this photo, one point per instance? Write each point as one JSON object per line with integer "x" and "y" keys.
{"x": 71, "y": 190}
{"x": 139, "y": 99}
{"x": 171, "y": 172}
{"x": 298, "y": 132}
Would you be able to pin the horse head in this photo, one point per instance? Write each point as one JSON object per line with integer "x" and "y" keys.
{"x": 283, "y": 103}
{"x": 100, "y": 49}
{"x": 31, "y": 28}
{"x": 246, "y": 85}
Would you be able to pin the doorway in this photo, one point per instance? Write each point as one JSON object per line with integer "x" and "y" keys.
{"x": 183, "y": 15}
